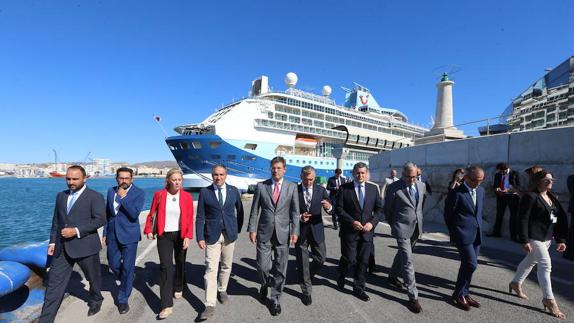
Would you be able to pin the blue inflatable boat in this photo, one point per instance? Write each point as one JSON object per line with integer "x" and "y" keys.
{"x": 13, "y": 275}
{"x": 29, "y": 253}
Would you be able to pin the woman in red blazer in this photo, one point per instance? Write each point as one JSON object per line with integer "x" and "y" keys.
{"x": 171, "y": 219}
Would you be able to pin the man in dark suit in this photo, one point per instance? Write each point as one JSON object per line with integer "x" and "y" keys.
{"x": 78, "y": 213}
{"x": 463, "y": 217}
{"x": 313, "y": 199}
{"x": 359, "y": 207}
{"x": 569, "y": 254}
{"x": 404, "y": 213}
{"x": 218, "y": 222}
{"x": 122, "y": 232}
{"x": 273, "y": 226}
{"x": 333, "y": 185}
{"x": 506, "y": 185}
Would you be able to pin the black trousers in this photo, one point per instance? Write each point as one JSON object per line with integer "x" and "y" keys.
{"x": 306, "y": 270}
{"x": 569, "y": 253}
{"x": 355, "y": 253}
{"x": 502, "y": 202}
{"x": 59, "y": 276}
{"x": 170, "y": 248}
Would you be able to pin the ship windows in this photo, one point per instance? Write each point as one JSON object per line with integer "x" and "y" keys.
{"x": 231, "y": 157}
{"x": 172, "y": 147}
{"x": 214, "y": 144}
{"x": 193, "y": 157}
{"x": 250, "y": 146}
{"x": 247, "y": 157}
{"x": 184, "y": 145}
{"x": 216, "y": 157}
{"x": 196, "y": 144}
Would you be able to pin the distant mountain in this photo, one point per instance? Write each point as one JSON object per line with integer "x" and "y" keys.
{"x": 158, "y": 164}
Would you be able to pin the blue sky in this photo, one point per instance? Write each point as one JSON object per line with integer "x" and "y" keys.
{"x": 88, "y": 76}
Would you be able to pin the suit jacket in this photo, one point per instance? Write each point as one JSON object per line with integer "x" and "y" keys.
{"x": 211, "y": 216}
{"x": 315, "y": 223}
{"x": 463, "y": 219}
{"x": 349, "y": 210}
{"x": 87, "y": 214}
{"x": 283, "y": 218}
{"x": 125, "y": 225}
{"x": 157, "y": 214}
{"x": 401, "y": 211}
{"x": 332, "y": 185}
{"x": 535, "y": 218}
{"x": 570, "y": 184}
{"x": 513, "y": 179}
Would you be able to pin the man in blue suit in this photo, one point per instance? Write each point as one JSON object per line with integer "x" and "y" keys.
{"x": 122, "y": 232}
{"x": 463, "y": 217}
{"x": 313, "y": 199}
{"x": 218, "y": 222}
{"x": 569, "y": 254}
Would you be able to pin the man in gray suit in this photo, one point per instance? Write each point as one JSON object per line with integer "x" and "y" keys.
{"x": 404, "y": 212}
{"x": 276, "y": 201}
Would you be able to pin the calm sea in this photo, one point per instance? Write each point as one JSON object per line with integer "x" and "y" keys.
{"x": 27, "y": 204}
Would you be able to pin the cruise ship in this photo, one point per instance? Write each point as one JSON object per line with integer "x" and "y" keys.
{"x": 304, "y": 128}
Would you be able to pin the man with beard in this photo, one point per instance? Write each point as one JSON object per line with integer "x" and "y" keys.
{"x": 122, "y": 232}
{"x": 78, "y": 214}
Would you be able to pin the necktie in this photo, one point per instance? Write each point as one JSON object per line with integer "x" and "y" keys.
{"x": 71, "y": 202}
{"x": 361, "y": 196}
{"x": 473, "y": 195}
{"x": 276, "y": 193}
{"x": 338, "y": 183}
{"x": 307, "y": 198}
{"x": 413, "y": 193}
{"x": 220, "y": 196}
{"x": 501, "y": 184}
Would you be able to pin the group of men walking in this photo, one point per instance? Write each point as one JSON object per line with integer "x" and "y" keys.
{"x": 282, "y": 214}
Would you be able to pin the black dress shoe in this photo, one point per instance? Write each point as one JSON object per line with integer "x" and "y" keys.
{"x": 263, "y": 293}
{"x": 275, "y": 309}
{"x": 360, "y": 294}
{"x": 471, "y": 301}
{"x": 94, "y": 309}
{"x": 461, "y": 303}
{"x": 307, "y": 300}
{"x": 341, "y": 283}
{"x": 414, "y": 306}
{"x": 395, "y": 282}
{"x": 123, "y": 308}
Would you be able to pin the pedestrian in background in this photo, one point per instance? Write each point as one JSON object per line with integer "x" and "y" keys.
{"x": 171, "y": 219}
{"x": 541, "y": 219}
{"x": 569, "y": 254}
{"x": 506, "y": 185}
{"x": 456, "y": 179}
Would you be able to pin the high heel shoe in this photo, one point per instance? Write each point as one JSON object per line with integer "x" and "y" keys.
{"x": 517, "y": 288}
{"x": 551, "y": 307}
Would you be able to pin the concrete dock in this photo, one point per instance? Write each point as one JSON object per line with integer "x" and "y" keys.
{"x": 436, "y": 265}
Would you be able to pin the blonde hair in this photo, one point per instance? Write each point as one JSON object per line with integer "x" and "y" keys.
{"x": 169, "y": 174}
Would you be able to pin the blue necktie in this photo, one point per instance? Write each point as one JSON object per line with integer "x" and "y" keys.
{"x": 361, "y": 196}
{"x": 414, "y": 194}
{"x": 71, "y": 203}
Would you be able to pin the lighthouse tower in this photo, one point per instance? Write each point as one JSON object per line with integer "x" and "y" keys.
{"x": 443, "y": 128}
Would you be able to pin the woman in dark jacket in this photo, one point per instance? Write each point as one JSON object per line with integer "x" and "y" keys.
{"x": 541, "y": 219}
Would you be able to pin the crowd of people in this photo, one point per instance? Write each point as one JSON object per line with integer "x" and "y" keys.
{"x": 285, "y": 214}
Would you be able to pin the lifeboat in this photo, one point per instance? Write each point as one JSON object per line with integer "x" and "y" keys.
{"x": 305, "y": 142}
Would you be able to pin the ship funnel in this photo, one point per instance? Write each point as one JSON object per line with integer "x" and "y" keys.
{"x": 260, "y": 86}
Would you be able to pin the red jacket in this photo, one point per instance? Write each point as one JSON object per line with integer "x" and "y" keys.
{"x": 158, "y": 206}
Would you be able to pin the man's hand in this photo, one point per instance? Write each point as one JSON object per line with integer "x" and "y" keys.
{"x": 367, "y": 227}
{"x": 293, "y": 239}
{"x": 51, "y": 248}
{"x": 561, "y": 247}
{"x": 253, "y": 237}
{"x": 527, "y": 247}
{"x": 186, "y": 243}
{"x": 305, "y": 216}
{"x": 357, "y": 226}
{"x": 103, "y": 241}
{"x": 122, "y": 192}
{"x": 150, "y": 236}
{"x": 326, "y": 204}
{"x": 201, "y": 244}
{"x": 68, "y": 232}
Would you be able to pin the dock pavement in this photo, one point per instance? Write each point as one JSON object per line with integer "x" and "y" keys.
{"x": 436, "y": 265}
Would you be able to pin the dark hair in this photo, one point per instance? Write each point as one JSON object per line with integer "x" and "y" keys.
{"x": 338, "y": 171}
{"x": 218, "y": 166}
{"x": 536, "y": 178}
{"x": 125, "y": 169}
{"x": 78, "y": 167}
{"x": 278, "y": 159}
{"x": 360, "y": 165}
{"x": 501, "y": 166}
{"x": 471, "y": 170}
{"x": 453, "y": 178}
{"x": 533, "y": 169}
{"x": 307, "y": 170}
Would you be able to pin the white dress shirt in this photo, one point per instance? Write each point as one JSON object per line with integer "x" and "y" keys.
{"x": 116, "y": 204}
{"x": 172, "y": 212}
{"x": 223, "y": 192}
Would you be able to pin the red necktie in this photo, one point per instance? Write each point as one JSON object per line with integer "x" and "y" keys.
{"x": 501, "y": 185}
{"x": 276, "y": 193}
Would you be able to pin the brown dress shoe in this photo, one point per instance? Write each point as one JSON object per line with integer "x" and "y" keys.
{"x": 461, "y": 303}
{"x": 471, "y": 301}
{"x": 414, "y": 306}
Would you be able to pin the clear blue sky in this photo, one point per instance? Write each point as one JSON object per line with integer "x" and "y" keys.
{"x": 88, "y": 76}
